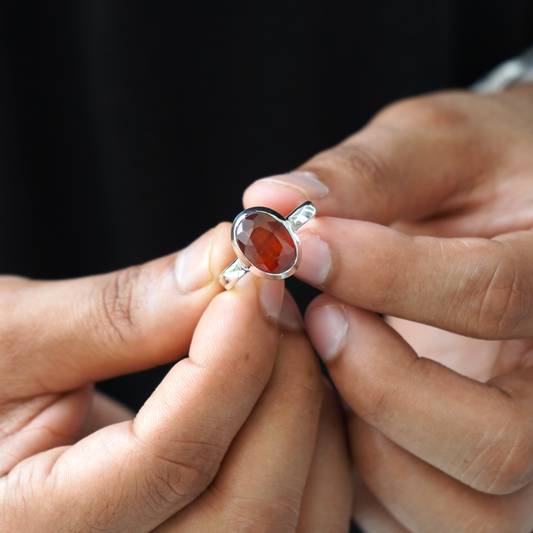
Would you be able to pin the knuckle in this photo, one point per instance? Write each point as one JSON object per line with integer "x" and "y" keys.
{"x": 171, "y": 487}
{"x": 431, "y": 112}
{"x": 360, "y": 170}
{"x": 167, "y": 489}
{"x": 379, "y": 406}
{"x": 360, "y": 160}
{"x": 176, "y": 472}
{"x": 258, "y": 515}
{"x": 117, "y": 301}
{"x": 499, "y": 305}
{"x": 104, "y": 515}
{"x": 503, "y": 462}
{"x": 354, "y": 159}
{"x": 513, "y": 468}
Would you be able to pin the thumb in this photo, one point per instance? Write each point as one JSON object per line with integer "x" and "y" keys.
{"x": 77, "y": 331}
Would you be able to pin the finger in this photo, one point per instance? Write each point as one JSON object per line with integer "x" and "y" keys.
{"x": 414, "y": 159}
{"x": 134, "y": 475}
{"x": 56, "y": 336}
{"x": 423, "y": 498}
{"x": 45, "y": 422}
{"x": 370, "y": 514}
{"x": 261, "y": 481}
{"x": 478, "y": 433}
{"x": 32, "y": 426}
{"x": 475, "y": 287}
{"x": 326, "y": 504}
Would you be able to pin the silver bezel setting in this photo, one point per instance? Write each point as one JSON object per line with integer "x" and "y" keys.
{"x": 286, "y": 223}
{"x": 241, "y": 265}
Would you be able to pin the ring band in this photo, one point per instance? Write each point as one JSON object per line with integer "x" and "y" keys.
{"x": 266, "y": 243}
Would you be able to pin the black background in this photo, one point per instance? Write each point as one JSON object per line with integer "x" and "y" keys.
{"x": 121, "y": 120}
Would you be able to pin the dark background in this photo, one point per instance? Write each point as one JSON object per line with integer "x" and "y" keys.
{"x": 121, "y": 122}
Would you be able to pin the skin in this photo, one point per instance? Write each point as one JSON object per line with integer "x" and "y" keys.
{"x": 428, "y": 220}
{"x": 235, "y": 437}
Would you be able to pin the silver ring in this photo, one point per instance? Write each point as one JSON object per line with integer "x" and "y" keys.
{"x": 266, "y": 243}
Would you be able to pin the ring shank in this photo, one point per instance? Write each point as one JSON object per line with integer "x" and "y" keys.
{"x": 302, "y": 214}
{"x": 233, "y": 273}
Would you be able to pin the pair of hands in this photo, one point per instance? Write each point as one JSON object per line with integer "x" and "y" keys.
{"x": 425, "y": 217}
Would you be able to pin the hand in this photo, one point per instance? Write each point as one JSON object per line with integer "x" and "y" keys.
{"x": 451, "y": 175}
{"x": 211, "y": 433}
{"x": 274, "y": 477}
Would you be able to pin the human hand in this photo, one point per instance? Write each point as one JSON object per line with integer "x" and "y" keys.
{"x": 56, "y": 338}
{"x": 275, "y": 475}
{"x": 451, "y": 174}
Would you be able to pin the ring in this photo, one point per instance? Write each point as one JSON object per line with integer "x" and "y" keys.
{"x": 266, "y": 243}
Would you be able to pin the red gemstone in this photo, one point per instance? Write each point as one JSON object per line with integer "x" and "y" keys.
{"x": 265, "y": 242}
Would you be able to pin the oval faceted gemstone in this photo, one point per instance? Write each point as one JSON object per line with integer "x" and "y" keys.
{"x": 265, "y": 242}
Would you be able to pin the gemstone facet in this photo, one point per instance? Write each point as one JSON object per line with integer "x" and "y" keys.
{"x": 265, "y": 242}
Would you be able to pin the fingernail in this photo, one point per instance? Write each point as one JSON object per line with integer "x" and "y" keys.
{"x": 192, "y": 266}
{"x": 271, "y": 297}
{"x": 316, "y": 259}
{"x": 327, "y": 327}
{"x": 305, "y": 182}
{"x": 290, "y": 317}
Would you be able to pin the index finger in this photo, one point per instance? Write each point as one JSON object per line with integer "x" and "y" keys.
{"x": 74, "y": 332}
{"x": 409, "y": 162}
